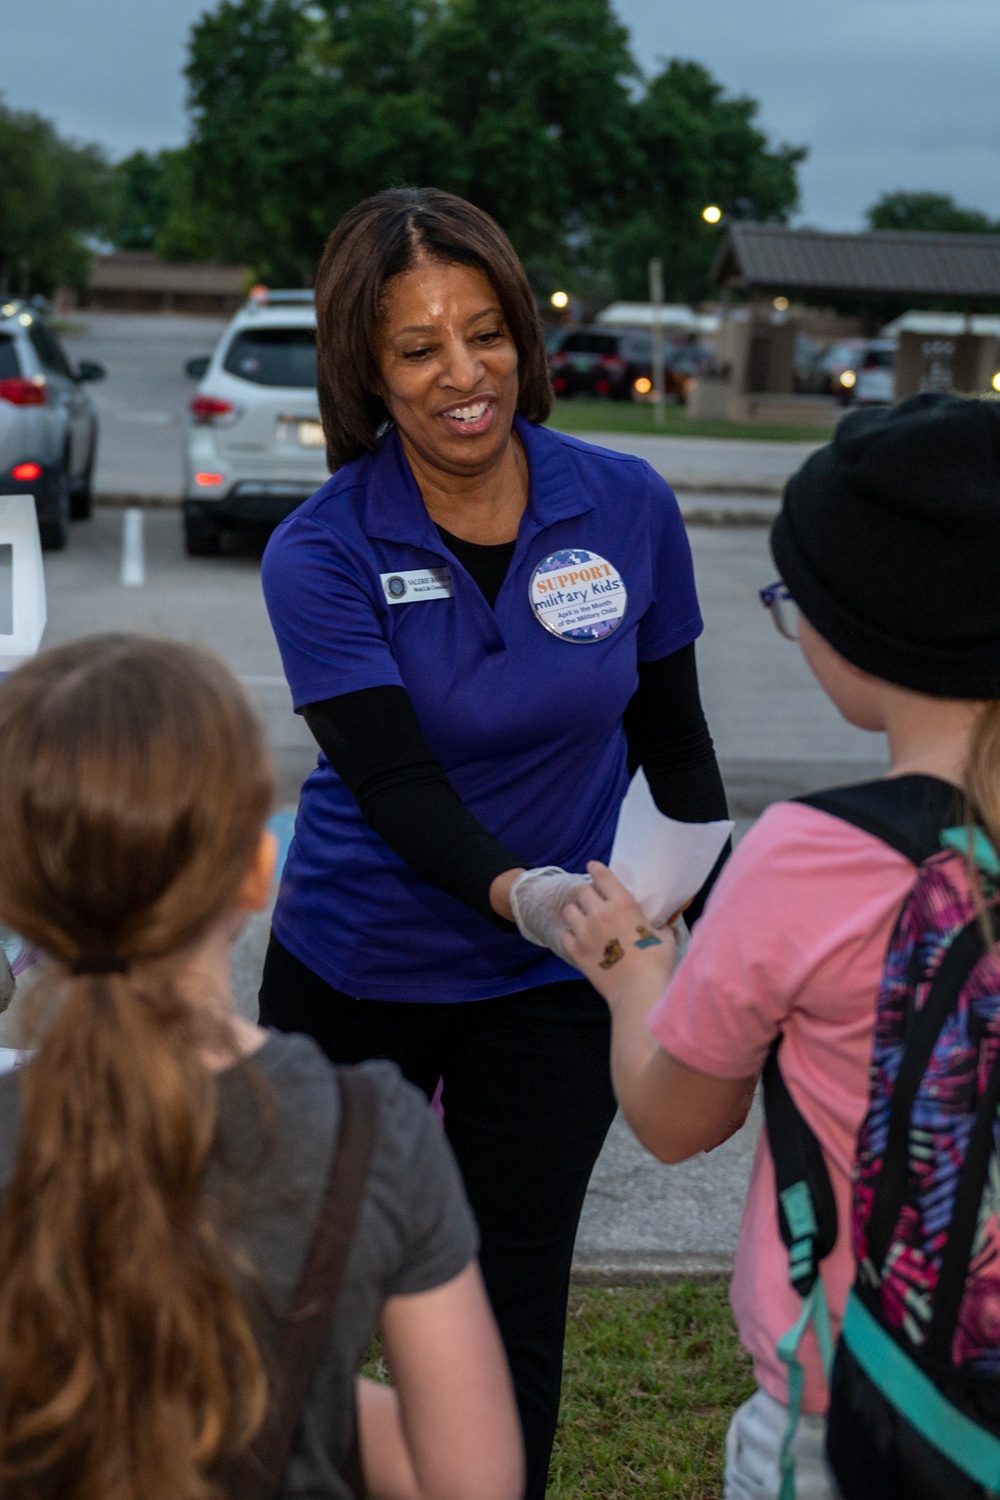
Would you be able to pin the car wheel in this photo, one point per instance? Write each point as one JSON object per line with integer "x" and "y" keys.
{"x": 202, "y": 537}
{"x": 53, "y": 529}
{"x": 81, "y": 500}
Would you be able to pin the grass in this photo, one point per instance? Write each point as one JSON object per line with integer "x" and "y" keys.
{"x": 651, "y": 1379}
{"x": 625, "y": 416}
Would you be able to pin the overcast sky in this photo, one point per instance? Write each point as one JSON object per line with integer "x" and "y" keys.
{"x": 885, "y": 93}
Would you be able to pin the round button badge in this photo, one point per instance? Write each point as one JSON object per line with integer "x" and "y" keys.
{"x": 578, "y": 595}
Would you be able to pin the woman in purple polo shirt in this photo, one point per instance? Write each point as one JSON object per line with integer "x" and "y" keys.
{"x": 484, "y": 624}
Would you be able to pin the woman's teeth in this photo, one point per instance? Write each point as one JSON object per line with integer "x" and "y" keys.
{"x": 469, "y": 413}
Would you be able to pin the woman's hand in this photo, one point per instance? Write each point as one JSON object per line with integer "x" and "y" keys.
{"x": 610, "y": 941}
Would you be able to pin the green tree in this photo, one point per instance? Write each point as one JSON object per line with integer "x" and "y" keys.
{"x": 696, "y": 147}
{"x": 51, "y": 193}
{"x": 151, "y": 206}
{"x": 533, "y": 109}
{"x": 299, "y": 111}
{"x": 937, "y": 212}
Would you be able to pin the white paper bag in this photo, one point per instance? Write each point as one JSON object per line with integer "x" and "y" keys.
{"x": 662, "y": 862}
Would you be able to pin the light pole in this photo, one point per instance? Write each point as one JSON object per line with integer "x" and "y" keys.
{"x": 656, "y": 302}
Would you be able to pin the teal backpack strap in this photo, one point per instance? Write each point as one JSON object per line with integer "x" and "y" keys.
{"x": 807, "y": 1219}
{"x": 815, "y": 1311}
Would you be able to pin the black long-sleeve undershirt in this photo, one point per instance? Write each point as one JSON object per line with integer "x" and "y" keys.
{"x": 374, "y": 742}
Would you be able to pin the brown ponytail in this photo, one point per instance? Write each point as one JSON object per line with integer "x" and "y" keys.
{"x": 134, "y": 788}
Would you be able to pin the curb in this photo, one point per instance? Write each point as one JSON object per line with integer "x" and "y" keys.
{"x": 757, "y": 509}
{"x": 126, "y": 501}
{"x": 748, "y": 514}
{"x": 698, "y": 484}
{"x": 646, "y": 1267}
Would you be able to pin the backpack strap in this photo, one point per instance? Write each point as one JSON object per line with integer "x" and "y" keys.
{"x": 259, "y": 1473}
{"x": 964, "y": 952}
{"x": 950, "y": 1289}
{"x": 807, "y": 1220}
{"x": 909, "y": 813}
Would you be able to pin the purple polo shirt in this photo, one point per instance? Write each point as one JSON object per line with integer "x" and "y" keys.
{"x": 527, "y": 724}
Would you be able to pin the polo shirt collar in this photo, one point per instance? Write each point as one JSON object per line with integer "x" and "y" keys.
{"x": 394, "y": 506}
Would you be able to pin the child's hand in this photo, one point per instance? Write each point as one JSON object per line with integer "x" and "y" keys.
{"x": 611, "y": 943}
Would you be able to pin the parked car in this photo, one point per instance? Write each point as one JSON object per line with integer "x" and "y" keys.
{"x": 840, "y": 362}
{"x": 48, "y": 428}
{"x": 875, "y": 382}
{"x": 255, "y": 447}
{"x": 618, "y": 363}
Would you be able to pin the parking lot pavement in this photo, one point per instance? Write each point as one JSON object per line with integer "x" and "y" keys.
{"x": 142, "y": 402}
{"x": 776, "y": 734}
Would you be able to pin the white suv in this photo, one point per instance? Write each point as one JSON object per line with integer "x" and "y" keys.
{"x": 255, "y": 447}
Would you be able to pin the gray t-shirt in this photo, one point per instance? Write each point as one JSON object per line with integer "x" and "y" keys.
{"x": 273, "y": 1151}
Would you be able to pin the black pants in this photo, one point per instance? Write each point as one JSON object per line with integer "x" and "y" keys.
{"x": 528, "y": 1102}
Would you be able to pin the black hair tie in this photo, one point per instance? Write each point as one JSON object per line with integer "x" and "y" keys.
{"x": 99, "y": 963}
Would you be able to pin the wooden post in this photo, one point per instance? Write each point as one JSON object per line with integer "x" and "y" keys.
{"x": 656, "y": 302}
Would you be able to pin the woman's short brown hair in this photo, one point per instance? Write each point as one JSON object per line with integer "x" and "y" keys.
{"x": 377, "y": 240}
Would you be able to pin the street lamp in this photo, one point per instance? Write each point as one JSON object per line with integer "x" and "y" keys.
{"x": 995, "y": 382}
{"x": 712, "y": 214}
{"x": 560, "y": 300}
{"x": 780, "y": 304}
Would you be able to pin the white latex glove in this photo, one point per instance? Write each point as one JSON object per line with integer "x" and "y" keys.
{"x": 537, "y": 899}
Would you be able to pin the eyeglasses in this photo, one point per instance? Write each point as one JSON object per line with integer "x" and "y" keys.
{"x": 784, "y": 612}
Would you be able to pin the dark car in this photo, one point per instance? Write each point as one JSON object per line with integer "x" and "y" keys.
{"x": 618, "y": 363}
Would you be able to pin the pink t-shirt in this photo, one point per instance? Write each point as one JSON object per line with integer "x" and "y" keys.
{"x": 793, "y": 939}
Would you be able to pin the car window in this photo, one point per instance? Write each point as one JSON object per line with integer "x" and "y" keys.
{"x": 49, "y": 353}
{"x": 637, "y": 346}
{"x": 9, "y": 367}
{"x": 591, "y": 343}
{"x": 274, "y": 356}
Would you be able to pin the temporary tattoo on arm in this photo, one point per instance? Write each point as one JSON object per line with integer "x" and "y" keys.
{"x": 613, "y": 953}
{"x": 646, "y": 939}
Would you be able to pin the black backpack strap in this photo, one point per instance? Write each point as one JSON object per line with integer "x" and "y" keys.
{"x": 909, "y": 813}
{"x": 950, "y": 1289}
{"x": 964, "y": 952}
{"x": 807, "y": 1208}
{"x": 259, "y": 1474}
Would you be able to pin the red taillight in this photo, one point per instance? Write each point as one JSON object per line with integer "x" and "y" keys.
{"x": 602, "y": 387}
{"x": 209, "y": 481}
{"x": 22, "y": 392}
{"x": 558, "y": 384}
{"x": 210, "y": 408}
{"x": 25, "y": 473}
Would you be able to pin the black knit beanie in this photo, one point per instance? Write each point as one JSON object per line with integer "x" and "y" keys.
{"x": 888, "y": 540}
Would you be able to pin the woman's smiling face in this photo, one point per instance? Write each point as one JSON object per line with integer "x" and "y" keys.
{"x": 448, "y": 366}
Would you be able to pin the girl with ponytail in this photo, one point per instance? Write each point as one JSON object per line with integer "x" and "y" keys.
{"x": 160, "y": 1188}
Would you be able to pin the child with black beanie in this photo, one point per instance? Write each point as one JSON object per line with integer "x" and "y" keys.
{"x": 888, "y": 542}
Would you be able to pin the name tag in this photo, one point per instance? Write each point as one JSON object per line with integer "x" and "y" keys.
{"x": 416, "y": 585}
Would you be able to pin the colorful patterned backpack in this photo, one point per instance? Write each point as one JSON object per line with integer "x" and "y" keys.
{"x": 915, "y": 1390}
